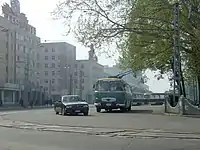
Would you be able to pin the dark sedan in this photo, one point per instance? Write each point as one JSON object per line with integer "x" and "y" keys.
{"x": 71, "y": 104}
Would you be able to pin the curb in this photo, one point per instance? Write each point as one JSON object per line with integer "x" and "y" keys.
{"x": 20, "y": 108}
{"x": 179, "y": 115}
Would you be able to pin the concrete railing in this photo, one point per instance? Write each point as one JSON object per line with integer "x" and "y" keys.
{"x": 183, "y": 107}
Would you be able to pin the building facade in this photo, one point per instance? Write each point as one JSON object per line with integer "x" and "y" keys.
{"x": 86, "y": 74}
{"x": 55, "y": 64}
{"x": 18, "y": 40}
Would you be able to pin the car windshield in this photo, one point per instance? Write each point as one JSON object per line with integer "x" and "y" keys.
{"x": 67, "y": 99}
{"x": 110, "y": 86}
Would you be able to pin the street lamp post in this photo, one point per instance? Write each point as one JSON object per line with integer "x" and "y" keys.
{"x": 26, "y": 73}
{"x": 176, "y": 53}
{"x": 177, "y": 73}
{"x": 50, "y": 89}
{"x": 80, "y": 83}
{"x": 70, "y": 79}
{"x": 70, "y": 84}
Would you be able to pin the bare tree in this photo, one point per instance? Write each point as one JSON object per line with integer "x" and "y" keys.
{"x": 95, "y": 22}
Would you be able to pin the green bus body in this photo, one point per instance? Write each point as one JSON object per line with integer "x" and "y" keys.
{"x": 115, "y": 94}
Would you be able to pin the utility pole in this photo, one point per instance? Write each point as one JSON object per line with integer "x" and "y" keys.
{"x": 50, "y": 88}
{"x": 70, "y": 84}
{"x": 26, "y": 79}
{"x": 15, "y": 51}
{"x": 80, "y": 83}
{"x": 176, "y": 52}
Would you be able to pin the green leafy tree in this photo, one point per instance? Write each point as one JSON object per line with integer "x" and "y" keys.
{"x": 142, "y": 29}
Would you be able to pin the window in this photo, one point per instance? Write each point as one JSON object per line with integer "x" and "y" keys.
{"x": 75, "y": 73}
{"x": 18, "y": 58}
{"x": 11, "y": 46}
{"x": 18, "y": 47}
{"x": 82, "y": 80}
{"x": 53, "y": 88}
{"x": 46, "y": 57}
{"x": 53, "y": 57}
{"x": 53, "y": 81}
{"x": 82, "y": 73}
{"x": 109, "y": 86}
{"x": 46, "y": 81}
{"x": 46, "y": 73}
{"x": 38, "y": 65}
{"x": 46, "y": 65}
{"x": 53, "y": 65}
{"x": 24, "y": 49}
{"x": 46, "y": 88}
{"x": 46, "y": 50}
{"x": 53, "y": 73}
{"x": 58, "y": 57}
{"x": 75, "y": 81}
{"x": 53, "y": 50}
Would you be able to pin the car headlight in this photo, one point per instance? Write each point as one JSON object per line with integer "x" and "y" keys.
{"x": 69, "y": 106}
{"x": 85, "y": 106}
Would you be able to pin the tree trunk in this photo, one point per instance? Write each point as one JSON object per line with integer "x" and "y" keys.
{"x": 198, "y": 90}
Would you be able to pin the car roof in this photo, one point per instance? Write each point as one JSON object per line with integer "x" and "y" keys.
{"x": 70, "y": 96}
{"x": 110, "y": 79}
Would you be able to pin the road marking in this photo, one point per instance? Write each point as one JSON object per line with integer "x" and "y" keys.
{"x": 147, "y": 133}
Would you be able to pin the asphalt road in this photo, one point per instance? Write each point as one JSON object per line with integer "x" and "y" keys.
{"x": 139, "y": 129}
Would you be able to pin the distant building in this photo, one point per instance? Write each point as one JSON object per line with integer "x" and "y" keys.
{"x": 86, "y": 74}
{"x": 55, "y": 67}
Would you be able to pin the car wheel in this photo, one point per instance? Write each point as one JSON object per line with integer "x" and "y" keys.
{"x": 98, "y": 109}
{"x": 57, "y": 113}
{"x": 85, "y": 113}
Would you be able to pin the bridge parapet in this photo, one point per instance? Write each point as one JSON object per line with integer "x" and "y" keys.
{"x": 153, "y": 98}
{"x": 183, "y": 107}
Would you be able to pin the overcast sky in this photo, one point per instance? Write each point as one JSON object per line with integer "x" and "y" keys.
{"x": 38, "y": 13}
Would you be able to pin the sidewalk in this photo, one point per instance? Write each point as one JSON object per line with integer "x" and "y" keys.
{"x": 16, "y": 107}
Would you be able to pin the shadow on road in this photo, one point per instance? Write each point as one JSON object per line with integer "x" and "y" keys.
{"x": 132, "y": 111}
{"x": 78, "y": 115}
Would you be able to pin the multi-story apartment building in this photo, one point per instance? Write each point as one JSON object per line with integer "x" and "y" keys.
{"x": 86, "y": 74}
{"x": 54, "y": 68}
{"x": 3, "y": 60}
{"x": 20, "y": 41}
